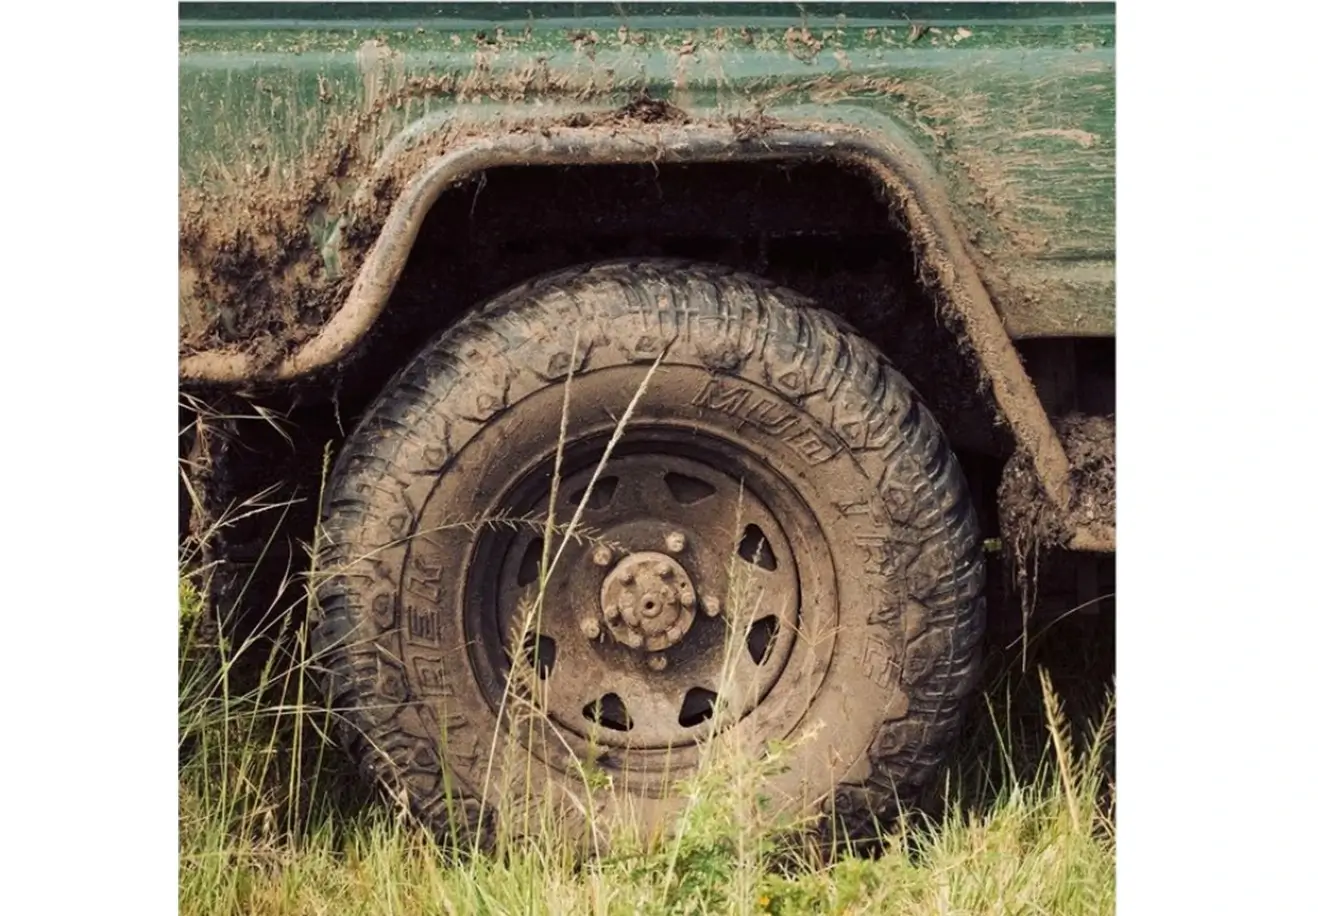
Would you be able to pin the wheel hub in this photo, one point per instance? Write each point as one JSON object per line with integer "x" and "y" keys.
{"x": 683, "y": 602}
{"x": 648, "y": 601}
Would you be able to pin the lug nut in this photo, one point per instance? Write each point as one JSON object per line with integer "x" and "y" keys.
{"x": 674, "y": 633}
{"x": 612, "y": 612}
{"x": 635, "y": 639}
{"x": 657, "y": 662}
{"x": 711, "y": 606}
{"x": 675, "y": 542}
{"x": 688, "y": 598}
{"x": 591, "y": 627}
{"x": 627, "y": 577}
{"x": 603, "y": 555}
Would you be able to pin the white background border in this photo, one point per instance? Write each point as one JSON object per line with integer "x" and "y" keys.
{"x": 1216, "y": 381}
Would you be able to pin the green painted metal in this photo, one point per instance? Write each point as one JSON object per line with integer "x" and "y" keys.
{"x": 1013, "y": 104}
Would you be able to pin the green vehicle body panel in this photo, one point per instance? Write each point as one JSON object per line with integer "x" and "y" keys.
{"x": 1013, "y": 105}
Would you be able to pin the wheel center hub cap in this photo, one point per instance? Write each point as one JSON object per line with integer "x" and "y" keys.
{"x": 648, "y": 601}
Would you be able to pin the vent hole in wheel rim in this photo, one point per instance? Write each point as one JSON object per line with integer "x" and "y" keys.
{"x": 528, "y": 572}
{"x": 688, "y": 490}
{"x": 600, "y": 495}
{"x": 697, "y": 707}
{"x": 610, "y": 712}
{"x": 540, "y": 652}
{"x": 760, "y": 639}
{"x": 754, "y": 548}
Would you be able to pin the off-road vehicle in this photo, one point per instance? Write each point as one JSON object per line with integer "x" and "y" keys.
{"x": 680, "y": 375}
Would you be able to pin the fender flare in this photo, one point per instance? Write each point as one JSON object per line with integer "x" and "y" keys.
{"x": 881, "y": 149}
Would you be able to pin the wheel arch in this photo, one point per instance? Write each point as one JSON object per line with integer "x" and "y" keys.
{"x": 879, "y": 147}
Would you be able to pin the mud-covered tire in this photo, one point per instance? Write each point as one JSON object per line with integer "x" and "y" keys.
{"x": 874, "y": 509}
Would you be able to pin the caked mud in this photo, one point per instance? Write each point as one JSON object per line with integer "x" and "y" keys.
{"x": 1031, "y": 523}
{"x": 266, "y": 257}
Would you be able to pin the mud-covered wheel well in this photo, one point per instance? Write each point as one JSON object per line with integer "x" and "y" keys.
{"x": 816, "y": 226}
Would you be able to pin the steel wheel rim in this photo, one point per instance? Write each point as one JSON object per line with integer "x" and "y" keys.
{"x": 766, "y": 646}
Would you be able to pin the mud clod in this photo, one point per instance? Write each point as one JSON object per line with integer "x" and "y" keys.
{"x": 1030, "y": 522}
{"x": 652, "y": 111}
{"x": 753, "y": 126}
